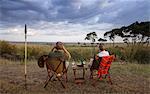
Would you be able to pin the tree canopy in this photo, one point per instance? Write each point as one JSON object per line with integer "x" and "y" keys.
{"x": 102, "y": 40}
{"x": 134, "y": 33}
{"x": 91, "y": 36}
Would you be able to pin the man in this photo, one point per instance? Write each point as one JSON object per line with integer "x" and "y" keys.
{"x": 102, "y": 52}
{"x": 97, "y": 59}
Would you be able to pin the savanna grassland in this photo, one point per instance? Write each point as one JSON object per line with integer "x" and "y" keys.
{"x": 127, "y": 79}
{"x": 131, "y": 77}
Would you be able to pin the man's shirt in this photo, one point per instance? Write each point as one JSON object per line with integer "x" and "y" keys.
{"x": 103, "y": 53}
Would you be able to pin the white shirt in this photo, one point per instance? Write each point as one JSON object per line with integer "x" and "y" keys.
{"x": 103, "y": 53}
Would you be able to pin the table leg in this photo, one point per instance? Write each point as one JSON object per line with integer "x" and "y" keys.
{"x": 74, "y": 71}
{"x": 83, "y": 73}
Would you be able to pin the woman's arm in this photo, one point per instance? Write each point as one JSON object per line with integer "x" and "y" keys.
{"x": 53, "y": 49}
{"x": 67, "y": 52}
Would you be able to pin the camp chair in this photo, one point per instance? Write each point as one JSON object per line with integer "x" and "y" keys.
{"x": 55, "y": 63}
{"x": 104, "y": 67}
{"x": 57, "y": 69}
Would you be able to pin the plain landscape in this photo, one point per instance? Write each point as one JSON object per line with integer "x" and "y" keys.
{"x": 128, "y": 77}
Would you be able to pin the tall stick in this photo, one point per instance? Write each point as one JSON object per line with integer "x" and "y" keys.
{"x": 25, "y": 57}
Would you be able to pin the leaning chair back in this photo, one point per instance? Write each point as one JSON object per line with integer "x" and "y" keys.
{"x": 55, "y": 67}
{"x": 104, "y": 67}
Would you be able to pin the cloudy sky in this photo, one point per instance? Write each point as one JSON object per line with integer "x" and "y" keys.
{"x": 67, "y": 20}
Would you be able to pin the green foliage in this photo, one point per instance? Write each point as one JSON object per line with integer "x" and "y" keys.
{"x": 118, "y": 52}
{"x": 102, "y": 40}
{"x": 132, "y": 54}
{"x": 35, "y": 51}
{"x": 142, "y": 56}
{"x": 17, "y": 52}
{"x": 91, "y": 36}
{"x": 6, "y": 48}
{"x": 80, "y": 53}
{"x": 134, "y": 33}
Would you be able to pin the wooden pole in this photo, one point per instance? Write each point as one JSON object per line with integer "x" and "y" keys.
{"x": 25, "y": 57}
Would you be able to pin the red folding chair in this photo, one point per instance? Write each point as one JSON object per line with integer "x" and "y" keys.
{"x": 103, "y": 71}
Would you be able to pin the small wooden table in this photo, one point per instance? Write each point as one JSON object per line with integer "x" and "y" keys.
{"x": 79, "y": 80}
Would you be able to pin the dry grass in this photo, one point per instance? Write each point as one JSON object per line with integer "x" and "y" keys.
{"x": 127, "y": 79}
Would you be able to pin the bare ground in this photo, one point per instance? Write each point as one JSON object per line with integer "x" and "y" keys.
{"x": 127, "y": 79}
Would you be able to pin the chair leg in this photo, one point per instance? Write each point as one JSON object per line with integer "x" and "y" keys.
{"x": 94, "y": 82}
{"x": 91, "y": 75}
{"x": 83, "y": 73}
{"x": 105, "y": 76}
{"x": 48, "y": 79}
{"x": 65, "y": 77}
{"x": 109, "y": 79}
{"x": 65, "y": 74}
{"x": 64, "y": 86}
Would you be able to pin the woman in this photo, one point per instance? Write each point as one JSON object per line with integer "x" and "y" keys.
{"x": 59, "y": 47}
{"x": 62, "y": 52}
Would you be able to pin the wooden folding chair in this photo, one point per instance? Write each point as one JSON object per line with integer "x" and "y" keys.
{"x": 56, "y": 68}
{"x": 104, "y": 66}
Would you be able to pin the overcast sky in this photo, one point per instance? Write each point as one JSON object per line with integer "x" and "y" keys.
{"x": 67, "y": 20}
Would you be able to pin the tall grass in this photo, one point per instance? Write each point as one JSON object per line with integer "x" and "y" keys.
{"x": 6, "y": 48}
{"x": 131, "y": 54}
{"x": 81, "y": 53}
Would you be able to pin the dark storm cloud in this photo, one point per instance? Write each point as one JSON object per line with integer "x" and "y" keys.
{"x": 15, "y": 12}
{"x": 21, "y": 11}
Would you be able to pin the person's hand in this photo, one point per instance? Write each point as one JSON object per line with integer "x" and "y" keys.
{"x": 63, "y": 47}
{"x": 54, "y": 47}
{"x": 96, "y": 57}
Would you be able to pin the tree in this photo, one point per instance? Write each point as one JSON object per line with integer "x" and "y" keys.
{"x": 84, "y": 44}
{"x": 91, "y": 36}
{"x": 102, "y": 40}
{"x": 136, "y": 33}
{"x": 111, "y": 34}
{"x": 79, "y": 43}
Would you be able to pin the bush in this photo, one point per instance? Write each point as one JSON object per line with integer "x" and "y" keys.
{"x": 6, "y": 48}
{"x": 117, "y": 51}
{"x": 142, "y": 56}
{"x": 34, "y": 52}
{"x": 136, "y": 53}
{"x": 81, "y": 53}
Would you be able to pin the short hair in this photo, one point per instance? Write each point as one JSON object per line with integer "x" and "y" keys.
{"x": 59, "y": 45}
{"x": 101, "y": 47}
